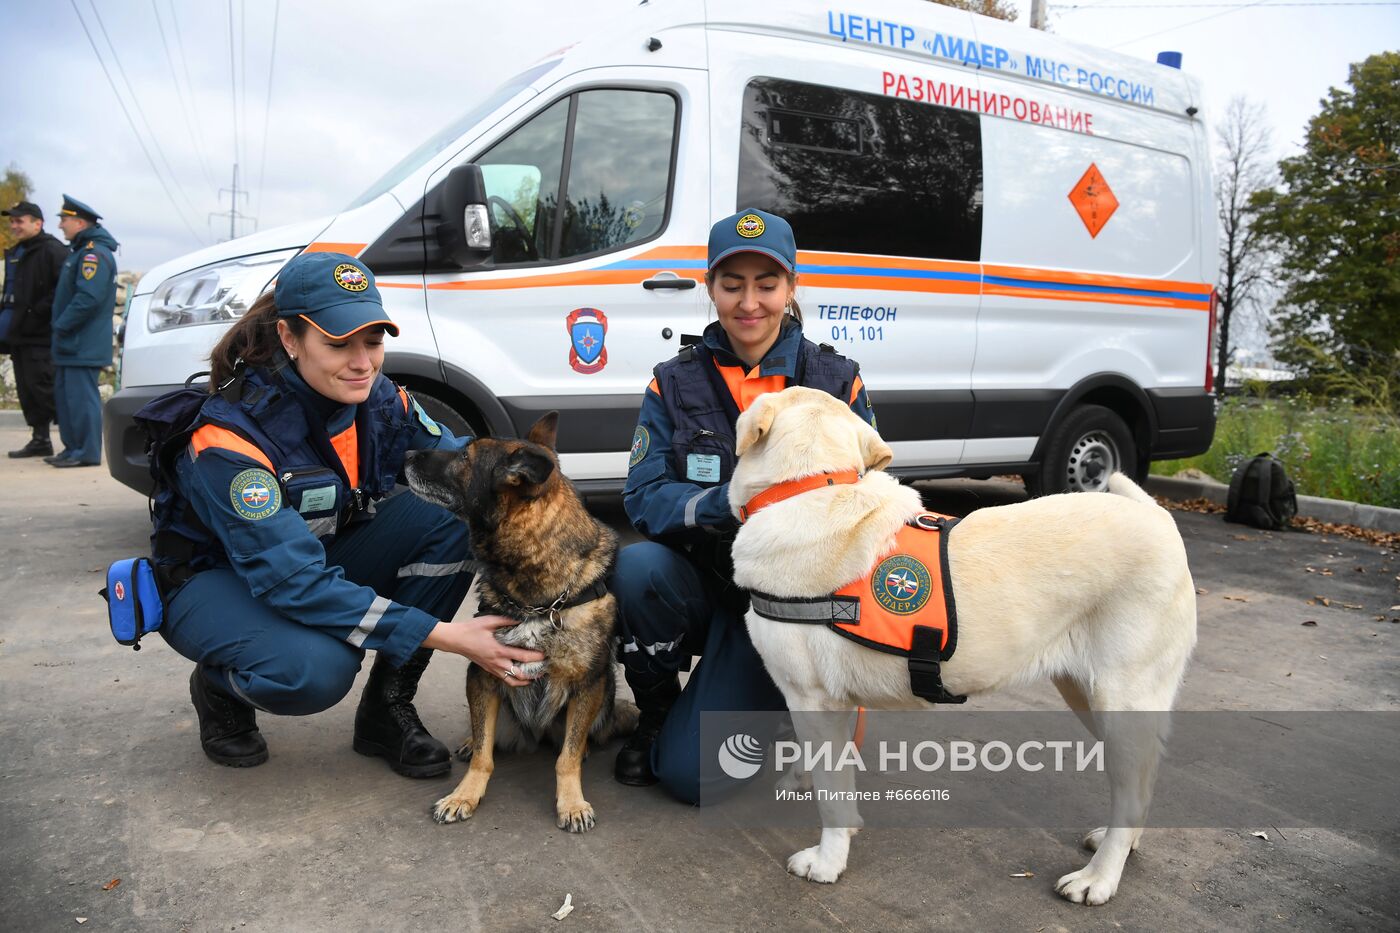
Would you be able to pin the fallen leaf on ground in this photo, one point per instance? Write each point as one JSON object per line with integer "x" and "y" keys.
{"x": 111, "y": 884}
{"x": 1243, "y": 538}
{"x": 1023, "y": 874}
{"x": 1311, "y": 622}
{"x": 1238, "y": 599}
{"x": 1264, "y": 836}
{"x": 1202, "y": 591}
{"x": 1324, "y": 600}
{"x": 565, "y": 909}
{"x": 1352, "y": 606}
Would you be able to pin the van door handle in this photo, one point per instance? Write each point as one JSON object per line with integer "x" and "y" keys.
{"x": 674, "y": 281}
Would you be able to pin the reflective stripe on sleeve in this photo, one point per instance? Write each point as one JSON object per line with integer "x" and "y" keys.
{"x": 691, "y": 506}
{"x": 437, "y": 570}
{"x": 631, "y": 646}
{"x": 368, "y": 623}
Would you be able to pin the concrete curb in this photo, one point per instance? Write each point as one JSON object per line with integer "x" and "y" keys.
{"x": 1324, "y": 510}
{"x": 11, "y": 418}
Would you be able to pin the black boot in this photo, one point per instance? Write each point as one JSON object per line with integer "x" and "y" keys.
{"x": 228, "y": 729}
{"x": 39, "y": 446}
{"x": 654, "y": 701}
{"x": 387, "y": 725}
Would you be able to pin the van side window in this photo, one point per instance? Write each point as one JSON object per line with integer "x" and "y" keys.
{"x": 592, "y": 173}
{"x": 863, "y": 173}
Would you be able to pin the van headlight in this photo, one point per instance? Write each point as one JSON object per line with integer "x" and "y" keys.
{"x": 214, "y": 294}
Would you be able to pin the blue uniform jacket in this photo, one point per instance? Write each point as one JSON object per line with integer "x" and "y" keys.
{"x": 660, "y": 500}
{"x": 84, "y": 301}
{"x": 272, "y": 529}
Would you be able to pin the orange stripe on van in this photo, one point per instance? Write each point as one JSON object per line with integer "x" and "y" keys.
{"x": 1147, "y": 301}
{"x": 1092, "y": 278}
{"x": 350, "y": 249}
{"x": 211, "y": 435}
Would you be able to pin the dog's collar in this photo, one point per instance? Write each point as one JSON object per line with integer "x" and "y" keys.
{"x": 565, "y": 600}
{"x": 795, "y": 487}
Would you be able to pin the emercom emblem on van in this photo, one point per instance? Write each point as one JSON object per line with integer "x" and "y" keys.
{"x": 1093, "y": 199}
{"x": 749, "y": 226}
{"x": 351, "y": 278}
{"x": 588, "y": 328}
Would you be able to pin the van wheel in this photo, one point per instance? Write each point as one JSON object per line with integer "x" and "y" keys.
{"x": 1086, "y": 449}
{"x": 447, "y": 416}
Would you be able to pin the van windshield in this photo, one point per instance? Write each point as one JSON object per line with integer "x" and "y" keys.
{"x": 445, "y": 136}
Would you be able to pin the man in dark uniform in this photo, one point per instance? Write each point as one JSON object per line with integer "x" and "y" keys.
{"x": 82, "y": 333}
{"x": 31, "y": 272}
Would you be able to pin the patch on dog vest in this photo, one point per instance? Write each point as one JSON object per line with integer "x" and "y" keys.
{"x": 903, "y": 606}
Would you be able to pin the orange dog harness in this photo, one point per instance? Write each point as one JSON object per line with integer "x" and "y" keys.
{"x": 903, "y": 606}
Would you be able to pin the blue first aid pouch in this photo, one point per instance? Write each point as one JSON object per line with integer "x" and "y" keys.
{"x": 134, "y": 606}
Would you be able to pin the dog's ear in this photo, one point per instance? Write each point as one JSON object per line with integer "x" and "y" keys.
{"x": 525, "y": 467}
{"x": 874, "y": 450}
{"x": 545, "y": 431}
{"x": 755, "y": 422}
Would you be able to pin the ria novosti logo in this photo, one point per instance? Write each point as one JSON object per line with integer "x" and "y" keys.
{"x": 741, "y": 756}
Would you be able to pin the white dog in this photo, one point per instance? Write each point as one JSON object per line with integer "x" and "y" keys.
{"x": 1090, "y": 591}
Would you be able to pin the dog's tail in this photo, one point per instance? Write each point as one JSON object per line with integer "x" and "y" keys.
{"x": 1120, "y": 485}
{"x": 621, "y": 720}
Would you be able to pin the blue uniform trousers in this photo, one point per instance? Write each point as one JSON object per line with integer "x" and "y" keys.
{"x": 79, "y": 409}
{"x": 412, "y": 552}
{"x": 670, "y": 609}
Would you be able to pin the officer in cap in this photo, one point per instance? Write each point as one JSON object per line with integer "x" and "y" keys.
{"x": 676, "y": 594}
{"x": 83, "y": 304}
{"x": 32, "y": 268}
{"x": 283, "y": 558}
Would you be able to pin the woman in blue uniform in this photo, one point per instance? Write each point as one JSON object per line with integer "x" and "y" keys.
{"x": 282, "y": 559}
{"x": 675, "y": 591}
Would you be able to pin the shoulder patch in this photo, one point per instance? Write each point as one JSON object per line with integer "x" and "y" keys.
{"x": 255, "y": 494}
{"x": 89, "y": 268}
{"x": 429, "y": 425}
{"x": 641, "y": 440}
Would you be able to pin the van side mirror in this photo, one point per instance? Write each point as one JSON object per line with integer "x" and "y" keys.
{"x": 464, "y": 230}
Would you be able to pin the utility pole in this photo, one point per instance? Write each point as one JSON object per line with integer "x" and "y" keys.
{"x": 1037, "y": 14}
{"x": 233, "y": 213}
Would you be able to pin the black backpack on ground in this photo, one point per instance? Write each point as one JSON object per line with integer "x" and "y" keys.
{"x": 1261, "y": 494}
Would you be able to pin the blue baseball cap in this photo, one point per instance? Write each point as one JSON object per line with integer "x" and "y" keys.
{"x": 753, "y": 231}
{"x": 333, "y": 293}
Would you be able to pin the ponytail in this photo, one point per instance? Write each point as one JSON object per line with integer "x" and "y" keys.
{"x": 253, "y": 341}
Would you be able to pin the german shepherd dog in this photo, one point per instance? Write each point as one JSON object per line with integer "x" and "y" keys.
{"x": 542, "y": 560}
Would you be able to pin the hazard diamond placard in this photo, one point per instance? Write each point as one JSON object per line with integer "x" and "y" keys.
{"x": 1093, "y": 199}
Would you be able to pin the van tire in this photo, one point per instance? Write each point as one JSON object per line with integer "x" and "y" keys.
{"x": 1088, "y": 447}
{"x": 447, "y": 416}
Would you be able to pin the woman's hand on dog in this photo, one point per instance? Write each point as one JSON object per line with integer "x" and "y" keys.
{"x": 475, "y": 639}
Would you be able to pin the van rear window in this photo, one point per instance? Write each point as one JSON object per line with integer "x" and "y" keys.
{"x": 863, "y": 173}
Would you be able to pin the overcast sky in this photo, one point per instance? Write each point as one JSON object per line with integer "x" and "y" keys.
{"x": 356, "y": 84}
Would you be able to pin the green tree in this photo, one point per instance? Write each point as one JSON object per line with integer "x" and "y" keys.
{"x": 999, "y": 9}
{"x": 14, "y": 186}
{"x": 1334, "y": 223}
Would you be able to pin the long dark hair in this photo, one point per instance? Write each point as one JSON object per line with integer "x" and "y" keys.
{"x": 794, "y": 310}
{"x": 252, "y": 341}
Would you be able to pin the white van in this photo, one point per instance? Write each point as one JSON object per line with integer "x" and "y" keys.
{"x": 1014, "y": 235}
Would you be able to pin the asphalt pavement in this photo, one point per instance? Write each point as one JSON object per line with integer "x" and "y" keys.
{"x": 112, "y": 819}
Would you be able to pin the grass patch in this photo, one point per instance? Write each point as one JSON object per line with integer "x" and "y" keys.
{"x": 1332, "y": 449}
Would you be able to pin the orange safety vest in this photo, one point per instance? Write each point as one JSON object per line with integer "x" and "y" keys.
{"x": 903, "y": 606}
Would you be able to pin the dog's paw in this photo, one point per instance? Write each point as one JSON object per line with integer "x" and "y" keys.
{"x": 1094, "y": 838}
{"x": 576, "y": 819}
{"x": 1086, "y": 886}
{"x": 454, "y": 809}
{"x": 810, "y": 864}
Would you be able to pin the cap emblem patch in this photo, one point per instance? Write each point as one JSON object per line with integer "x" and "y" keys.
{"x": 749, "y": 226}
{"x": 351, "y": 278}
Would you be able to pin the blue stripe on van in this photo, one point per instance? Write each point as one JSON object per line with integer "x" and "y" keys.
{"x": 892, "y": 273}
{"x": 1096, "y": 289}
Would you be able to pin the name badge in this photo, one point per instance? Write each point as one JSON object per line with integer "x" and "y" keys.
{"x": 321, "y": 499}
{"x": 703, "y": 468}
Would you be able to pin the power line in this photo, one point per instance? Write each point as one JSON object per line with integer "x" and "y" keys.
{"x": 140, "y": 111}
{"x": 132, "y": 123}
{"x": 180, "y": 93}
{"x": 267, "y": 107}
{"x": 243, "y": 72}
{"x": 189, "y": 84}
{"x": 1150, "y": 35}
